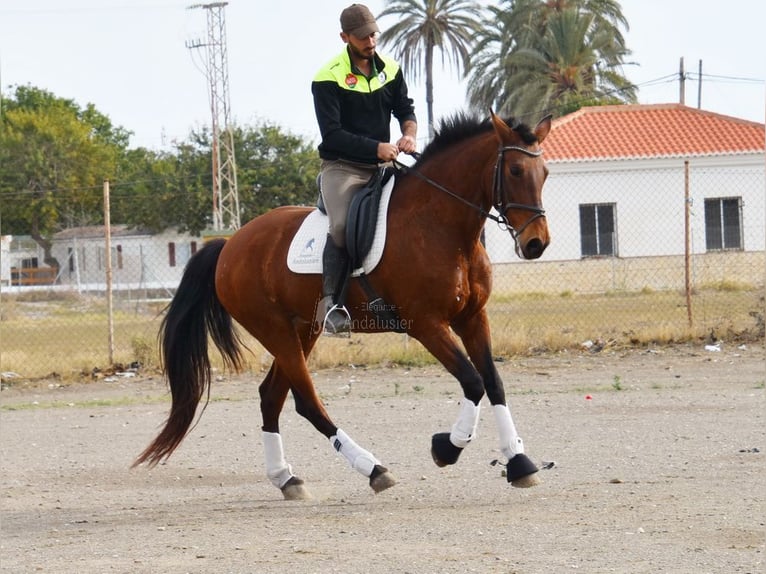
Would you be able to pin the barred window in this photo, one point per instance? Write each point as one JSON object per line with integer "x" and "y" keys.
{"x": 597, "y": 230}
{"x": 723, "y": 223}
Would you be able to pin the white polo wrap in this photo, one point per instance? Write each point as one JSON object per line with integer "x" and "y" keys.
{"x": 360, "y": 460}
{"x": 510, "y": 442}
{"x": 464, "y": 428}
{"x": 277, "y": 469}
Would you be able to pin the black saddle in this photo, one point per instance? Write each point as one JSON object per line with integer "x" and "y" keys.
{"x": 360, "y": 232}
{"x": 362, "y": 215}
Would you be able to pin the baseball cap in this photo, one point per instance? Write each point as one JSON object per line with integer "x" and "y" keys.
{"x": 358, "y": 20}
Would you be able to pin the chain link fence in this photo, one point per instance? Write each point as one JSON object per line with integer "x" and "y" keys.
{"x": 638, "y": 257}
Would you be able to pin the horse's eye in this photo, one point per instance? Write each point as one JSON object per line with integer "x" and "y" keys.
{"x": 515, "y": 171}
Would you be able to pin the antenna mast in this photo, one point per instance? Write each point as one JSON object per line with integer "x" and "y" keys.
{"x": 225, "y": 193}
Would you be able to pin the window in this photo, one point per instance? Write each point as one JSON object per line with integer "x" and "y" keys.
{"x": 597, "y": 237}
{"x": 116, "y": 257}
{"x": 172, "y": 254}
{"x": 723, "y": 223}
{"x": 76, "y": 259}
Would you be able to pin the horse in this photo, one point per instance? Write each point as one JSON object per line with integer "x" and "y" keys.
{"x": 434, "y": 271}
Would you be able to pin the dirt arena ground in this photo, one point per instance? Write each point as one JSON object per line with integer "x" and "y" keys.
{"x": 659, "y": 467}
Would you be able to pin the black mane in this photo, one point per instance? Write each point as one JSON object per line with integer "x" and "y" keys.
{"x": 462, "y": 126}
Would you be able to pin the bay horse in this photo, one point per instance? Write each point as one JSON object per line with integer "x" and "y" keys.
{"x": 434, "y": 271}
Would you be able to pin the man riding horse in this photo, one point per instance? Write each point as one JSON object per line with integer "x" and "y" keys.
{"x": 355, "y": 95}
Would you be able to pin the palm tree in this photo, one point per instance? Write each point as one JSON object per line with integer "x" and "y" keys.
{"x": 423, "y": 26}
{"x": 551, "y": 56}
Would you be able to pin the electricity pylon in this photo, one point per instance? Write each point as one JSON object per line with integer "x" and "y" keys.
{"x": 225, "y": 194}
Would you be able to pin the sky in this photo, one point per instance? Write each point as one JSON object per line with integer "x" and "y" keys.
{"x": 130, "y": 58}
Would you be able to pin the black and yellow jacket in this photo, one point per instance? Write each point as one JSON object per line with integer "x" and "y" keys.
{"x": 354, "y": 112}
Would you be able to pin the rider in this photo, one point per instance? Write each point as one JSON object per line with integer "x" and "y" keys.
{"x": 355, "y": 95}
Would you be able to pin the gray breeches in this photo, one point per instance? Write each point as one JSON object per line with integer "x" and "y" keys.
{"x": 339, "y": 181}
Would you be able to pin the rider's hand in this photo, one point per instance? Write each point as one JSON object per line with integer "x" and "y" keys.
{"x": 387, "y": 151}
{"x": 407, "y": 144}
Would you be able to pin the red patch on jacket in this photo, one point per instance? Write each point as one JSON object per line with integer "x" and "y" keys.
{"x": 351, "y": 80}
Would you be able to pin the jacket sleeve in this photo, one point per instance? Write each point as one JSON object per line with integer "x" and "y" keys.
{"x": 334, "y": 137}
{"x": 403, "y": 107}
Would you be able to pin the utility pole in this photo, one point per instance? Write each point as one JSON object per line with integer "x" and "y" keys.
{"x": 225, "y": 193}
{"x": 681, "y": 83}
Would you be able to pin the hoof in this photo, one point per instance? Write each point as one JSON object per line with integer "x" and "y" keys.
{"x": 443, "y": 451}
{"x": 521, "y": 472}
{"x": 381, "y": 479}
{"x": 294, "y": 489}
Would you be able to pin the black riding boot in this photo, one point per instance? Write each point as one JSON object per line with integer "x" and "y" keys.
{"x": 332, "y": 314}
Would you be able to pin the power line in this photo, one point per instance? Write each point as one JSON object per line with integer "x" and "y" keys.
{"x": 724, "y": 79}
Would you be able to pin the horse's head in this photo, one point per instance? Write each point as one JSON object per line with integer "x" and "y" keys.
{"x": 518, "y": 184}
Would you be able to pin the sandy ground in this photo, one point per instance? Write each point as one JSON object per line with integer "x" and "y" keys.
{"x": 660, "y": 470}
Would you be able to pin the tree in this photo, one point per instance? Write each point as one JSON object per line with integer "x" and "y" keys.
{"x": 160, "y": 190}
{"x": 551, "y": 57}
{"x": 54, "y": 157}
{"x": 423, "y": 26}
{"x": 174, "y": 189}
{"x": 274, "y": 168}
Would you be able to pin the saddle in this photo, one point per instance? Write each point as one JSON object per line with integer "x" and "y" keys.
{"x": 361, "y": 223}
{"x": 362, "y": 215}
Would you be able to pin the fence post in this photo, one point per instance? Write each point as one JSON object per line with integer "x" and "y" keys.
{"x": 687, "y": 245}
{"x": 108, "y": 265}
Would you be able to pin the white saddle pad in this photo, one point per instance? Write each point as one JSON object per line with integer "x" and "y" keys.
{"x": 305, "y": 252}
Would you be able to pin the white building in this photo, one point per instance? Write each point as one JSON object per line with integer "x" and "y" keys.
{"x": 140, "y": 260}
{"x": 618, "y": 181}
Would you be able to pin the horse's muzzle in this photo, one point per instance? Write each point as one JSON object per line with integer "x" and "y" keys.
{"x": 533, "y": 248}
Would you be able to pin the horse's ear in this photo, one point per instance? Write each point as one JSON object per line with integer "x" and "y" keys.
{"x": 543, "y": 128}
{"x": 502, "y": 131}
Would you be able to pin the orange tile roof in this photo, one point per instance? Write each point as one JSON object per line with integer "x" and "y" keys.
{"x": 649, "y": 131}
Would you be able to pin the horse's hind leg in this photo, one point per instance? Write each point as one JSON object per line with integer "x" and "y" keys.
{"x": 273, "y": 392}
{"x": 358, "y": 458}
{"x": 290, "y": 372}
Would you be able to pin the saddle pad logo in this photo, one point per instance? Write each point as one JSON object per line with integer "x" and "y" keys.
{"x": 351, "y": 81}
{"x": 308, "y": 248}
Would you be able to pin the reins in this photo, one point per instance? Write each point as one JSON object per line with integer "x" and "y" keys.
{"x": 497, "y": 191}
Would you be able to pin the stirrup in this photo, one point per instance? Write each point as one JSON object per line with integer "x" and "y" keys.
{"x": 337, "y": 322}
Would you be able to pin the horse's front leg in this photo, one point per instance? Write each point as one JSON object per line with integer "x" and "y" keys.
{"x": 446, "y": 447}
{"x": 520, "y": 470}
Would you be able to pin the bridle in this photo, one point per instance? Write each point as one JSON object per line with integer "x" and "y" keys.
{"x": 498, "y": 193}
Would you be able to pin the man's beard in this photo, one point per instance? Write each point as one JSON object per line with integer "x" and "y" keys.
{"x": 362, "y": 55}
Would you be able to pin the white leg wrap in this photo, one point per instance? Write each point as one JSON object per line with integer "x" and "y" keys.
{"x": 360, "y": 460}
{"x": 464, "y": 428}
{"x": 510, "y": 442}
{"x": 277, "y": 469}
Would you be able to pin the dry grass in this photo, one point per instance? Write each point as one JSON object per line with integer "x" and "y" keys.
{"x": 68, "y": 337}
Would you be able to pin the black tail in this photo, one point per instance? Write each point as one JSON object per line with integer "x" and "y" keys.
{"x": 194, "y": 314}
